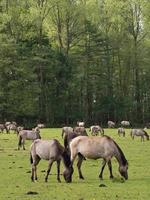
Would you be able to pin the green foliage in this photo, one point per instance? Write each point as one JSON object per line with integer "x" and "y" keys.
{"x": 63, "y": 61}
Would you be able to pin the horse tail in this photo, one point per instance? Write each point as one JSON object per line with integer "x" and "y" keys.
{"x": 131, "y": 133}
{"x": 20, "y": 141}
{"x": 62, "y": 134}
{"x": 66, "y": 141}
{"x": 31, "y": 159}
{"x": 7, "y": 130}
{"x": 146, "y": 134}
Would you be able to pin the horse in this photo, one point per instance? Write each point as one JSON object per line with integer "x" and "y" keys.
{"x": 66, "y": 130}
{"x": 125, "y": 123}
{"x": 81, "y": 124}
{"x": 95, "y": 130}
{"x": 28, "y": 135}
{"x": 121, "y": 131}
{"x": 41, "y": 125}
{"x": 70, "y": 135}
{"x": 12, "y": 127}
{"x": 98, "y": 147}
{"x": 139, "y": 132}
{"x": 111, "y": 124}
{"x": 52, "y": 151}
{"x": 2, "y": 127}
{"x": 80, "y": 130}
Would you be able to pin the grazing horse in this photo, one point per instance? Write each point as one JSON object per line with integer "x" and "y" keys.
{"x": 111, "y": 124}
{"x": 66, "y": 130}
{"x": 125, "y": 123}
{"x": 2, "y": 127}
{"x": 81, "y": 124}
{"x": 139, "y": 132}
{"x": 52, "y": 151}
{"x": 98, "y": 147}
{"x": 80, "y": 130}
{"x": 95, "y": 130}
{"x": 121, "y": 131}
{"x": 28, "y": 135}
{"x": 70, "y": 135}
{"x": 41, "y": 125}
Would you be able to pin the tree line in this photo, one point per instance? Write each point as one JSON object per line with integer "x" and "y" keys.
{"x": 68, "y": 60}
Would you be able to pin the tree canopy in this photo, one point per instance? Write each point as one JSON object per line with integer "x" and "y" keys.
{"x": 68, "y": 60}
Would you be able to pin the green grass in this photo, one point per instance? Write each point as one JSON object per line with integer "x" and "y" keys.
{"x": 15, "y": 173}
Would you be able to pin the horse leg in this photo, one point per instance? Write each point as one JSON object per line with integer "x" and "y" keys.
{"x": 23, "y": 142}
{"x": 79, "y": 163}
{"x": 19, "y": 142}
{"x": 58, "y": 170}
{"x": 49, "y": 169}
{"x": 110, "y": 169}
{"x": 34, "y": 168}
{"x": 103, "y": 166}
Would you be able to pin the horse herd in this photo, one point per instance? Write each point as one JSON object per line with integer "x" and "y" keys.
{"x": 77, "y": 143}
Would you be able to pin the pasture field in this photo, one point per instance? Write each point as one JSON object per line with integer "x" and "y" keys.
{"x": 15, "y": 173}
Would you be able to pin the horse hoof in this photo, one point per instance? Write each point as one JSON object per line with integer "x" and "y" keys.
{"x": 81, "y": 177}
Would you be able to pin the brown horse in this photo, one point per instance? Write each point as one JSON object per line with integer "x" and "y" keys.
{"x": 52, "y": 151}
{"x": 95, "y": 148}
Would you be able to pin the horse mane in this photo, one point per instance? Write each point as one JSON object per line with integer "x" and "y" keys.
{"x": 146, "y": 134}
{"x": 66, "y": 158}
{"x": 123, "y": 159}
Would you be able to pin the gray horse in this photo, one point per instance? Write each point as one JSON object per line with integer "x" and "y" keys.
{"x": 28, "y": 135}
{"x": 66, "y": 130}
{"x": 96, "y": 129}
{"x": 121, "y": 131}
{"x": 125, "y": 123}
{"x": 139, "y": 132}
{"x": 98, "y": 147}
{"x": 52, "y": 151}
{"x": 111, "y": 124}
{"x": 2, "y": 128}
{"x": 80, "y": 130}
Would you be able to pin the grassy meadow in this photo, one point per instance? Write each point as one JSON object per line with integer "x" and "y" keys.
{"x": 15, "y": 173}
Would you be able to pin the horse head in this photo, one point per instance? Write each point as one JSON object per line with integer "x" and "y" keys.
{"x": 68, "y": 174}
{"x": 123, "y": 169}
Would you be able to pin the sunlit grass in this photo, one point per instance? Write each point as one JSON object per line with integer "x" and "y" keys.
{"x": 15, "y": 173}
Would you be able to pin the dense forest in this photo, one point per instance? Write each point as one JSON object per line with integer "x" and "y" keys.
{"x": 68, "y": 60}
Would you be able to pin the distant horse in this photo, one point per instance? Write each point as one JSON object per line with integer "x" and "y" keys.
{"x": 66, "y": 130}
{"x": 28, "y": 135}
{"x": 121, "y": 131}
{"x": 80, "y": 130}
{"x": 95, "y": 130}
{"x": 139, "y": 132}
{"x": 81, "y": 124}
{"x": 52, "y": 151}
{"x": 70, "y": 135}
{"x": 41, "y": 125}
{"x": 2, "y": 127}
{"x": 125, "y": 123}
{"x": 111, "y": 124}
{"x": 98, "y": 147}
{"x": 12, "y": 127}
